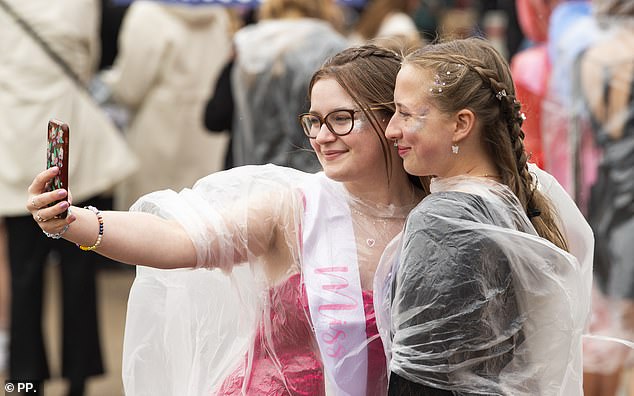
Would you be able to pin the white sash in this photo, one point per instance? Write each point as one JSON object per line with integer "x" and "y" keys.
{"x": 333, "y": 286}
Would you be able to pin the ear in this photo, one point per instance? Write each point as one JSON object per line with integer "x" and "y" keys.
{"x": 465, "y": 121}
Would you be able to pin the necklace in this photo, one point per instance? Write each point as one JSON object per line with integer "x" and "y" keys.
{"x": 487, "y": 175}
{"x": 384, "y": 218}
{"x": 382, "y": 222}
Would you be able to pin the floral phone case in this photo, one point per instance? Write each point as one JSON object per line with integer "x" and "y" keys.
{"x": 58, "y": 135}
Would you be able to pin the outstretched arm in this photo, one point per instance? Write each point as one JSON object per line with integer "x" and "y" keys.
{"x": 128, "y": 237}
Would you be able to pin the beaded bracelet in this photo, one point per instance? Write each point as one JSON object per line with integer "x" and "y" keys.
{"x": 58, "y": 235}
{"x": 100, "y": 235}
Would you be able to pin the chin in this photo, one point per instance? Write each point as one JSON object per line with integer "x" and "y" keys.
{"x": 411, "y": 170}
{"x": 414, "y": 169}
{"x": 335, "y": 173}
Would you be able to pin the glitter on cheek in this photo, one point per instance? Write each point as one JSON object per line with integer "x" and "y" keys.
{"x": 413, "y": 125}
{"x": 359, "y": 125}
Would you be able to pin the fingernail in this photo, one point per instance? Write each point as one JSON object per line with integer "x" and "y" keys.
{"x": 64, "y": 205}
{"x": 61, "y": 193}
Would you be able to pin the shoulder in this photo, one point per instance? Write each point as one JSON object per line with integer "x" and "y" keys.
{"x": 317, "y": 186}
{"x": 447, "y": 204}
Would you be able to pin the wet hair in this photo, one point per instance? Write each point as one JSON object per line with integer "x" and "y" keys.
{"x": 471, "y": 74}
{"x": 367, "y": 73}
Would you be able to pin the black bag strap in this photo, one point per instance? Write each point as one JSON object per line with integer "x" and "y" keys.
{"x": 44, "y": 45}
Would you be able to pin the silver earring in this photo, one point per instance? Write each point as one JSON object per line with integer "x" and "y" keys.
{"x": 455, "y": 148}
{"x": 395, "y": 143}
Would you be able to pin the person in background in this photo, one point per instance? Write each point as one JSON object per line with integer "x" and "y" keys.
{"x": 218, "y": 115}
{"x": 486, "y": 248}
{"x": 500, "y": 22}
{"x": 274, "y": 60}
{"x": 389, "y": 22}
{"x": 565, "y": 135}
{"x": 604, "y": 85}
{"x": 164, "y": 76}
{"x": 531, "y": 70}
{"x": 35, "y": 87}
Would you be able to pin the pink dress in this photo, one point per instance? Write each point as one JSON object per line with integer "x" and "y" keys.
{"x": 289, "y": 363}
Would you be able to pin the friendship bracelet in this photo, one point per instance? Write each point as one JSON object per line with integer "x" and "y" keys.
{"x": 100, "y": 235}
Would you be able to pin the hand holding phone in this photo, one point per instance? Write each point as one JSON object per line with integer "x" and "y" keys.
{"x": 58, "y": 137}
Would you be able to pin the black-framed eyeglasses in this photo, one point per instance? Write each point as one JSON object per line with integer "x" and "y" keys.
{"x": 339, "y": 122}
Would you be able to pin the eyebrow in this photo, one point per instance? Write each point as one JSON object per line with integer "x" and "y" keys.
{"x": 335, "y": 109}
{"x": 401, "y": 106}
{"x": 420, "y": 112}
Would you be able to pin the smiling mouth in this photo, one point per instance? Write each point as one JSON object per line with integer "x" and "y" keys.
{"x": 332, "y": 154}
{"x": 403, "y": 150}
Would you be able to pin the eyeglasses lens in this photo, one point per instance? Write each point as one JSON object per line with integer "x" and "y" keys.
{"x": 339, "y": 122}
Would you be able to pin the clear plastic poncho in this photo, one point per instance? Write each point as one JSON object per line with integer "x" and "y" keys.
{"x": 473, "y": 301}
{"x": 296, "y": 318}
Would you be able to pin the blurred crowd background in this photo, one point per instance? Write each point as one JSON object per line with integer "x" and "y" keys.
{"x": 183, "y": 88}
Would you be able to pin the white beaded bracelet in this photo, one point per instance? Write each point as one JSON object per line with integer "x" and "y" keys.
{"x": 58, "y": 235}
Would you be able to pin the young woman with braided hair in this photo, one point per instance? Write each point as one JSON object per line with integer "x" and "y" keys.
{"x": 482, "y": 296}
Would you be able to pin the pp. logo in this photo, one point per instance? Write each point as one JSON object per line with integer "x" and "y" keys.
{"x": 20, "y": 387}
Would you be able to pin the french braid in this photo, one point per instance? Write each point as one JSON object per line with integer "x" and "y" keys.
{"x": 471, "y": 74}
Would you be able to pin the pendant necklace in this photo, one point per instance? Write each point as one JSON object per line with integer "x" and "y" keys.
{"x": 383, "y": 221}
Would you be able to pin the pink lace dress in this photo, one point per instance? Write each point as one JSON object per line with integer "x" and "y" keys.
{"x": 286, "y": 359}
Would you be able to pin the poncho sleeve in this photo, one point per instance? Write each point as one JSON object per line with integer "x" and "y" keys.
{"x": 186, "y": 329}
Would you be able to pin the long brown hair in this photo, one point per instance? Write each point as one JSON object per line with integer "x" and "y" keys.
{"x": 367, "y": 73}
{"x": 471, "y": 74}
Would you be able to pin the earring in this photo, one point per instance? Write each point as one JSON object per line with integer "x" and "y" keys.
{"x": 395, "y": 143}
{"x": 455, "y": 148}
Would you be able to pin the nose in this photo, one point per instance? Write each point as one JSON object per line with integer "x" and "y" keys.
{"x": 392, "y": 131}
{"x": 325, "y": 135}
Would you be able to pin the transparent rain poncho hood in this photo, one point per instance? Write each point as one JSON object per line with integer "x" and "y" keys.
{"x": 471, "y": 300}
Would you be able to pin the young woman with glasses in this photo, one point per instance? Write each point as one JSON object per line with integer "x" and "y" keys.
{"x": 287, "y": 306}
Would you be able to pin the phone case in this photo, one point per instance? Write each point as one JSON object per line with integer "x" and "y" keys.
{"x": 58, "y": 137}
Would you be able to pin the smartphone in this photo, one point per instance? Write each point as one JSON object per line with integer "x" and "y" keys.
{"x": 58, "y": 138}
